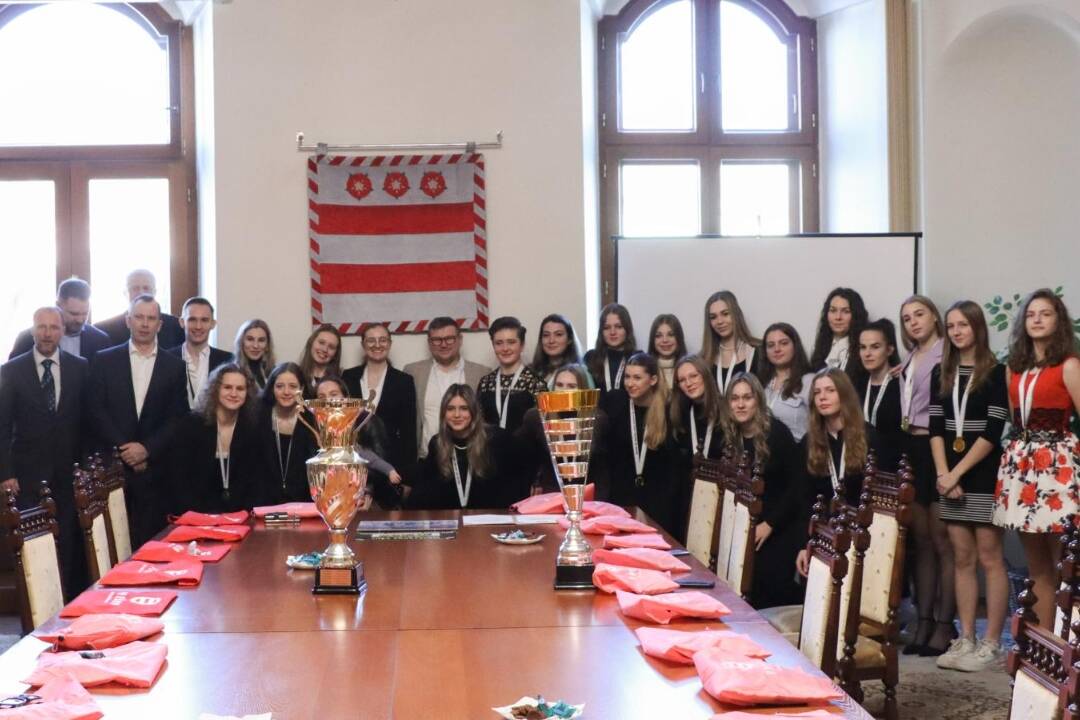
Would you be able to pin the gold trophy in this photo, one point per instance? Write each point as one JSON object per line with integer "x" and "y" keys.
{"x": 337, "y": 476}
{"x": 569, "y": 417}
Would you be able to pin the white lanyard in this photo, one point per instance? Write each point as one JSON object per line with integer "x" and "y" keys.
{"x": 909, "y": 388}
{"x": 837, "y": 484}
{"x": 703, "y": 451}
{"x": 960, "y": 406}
{"x": 618, "y": 374}
{"x": 640, "y": 448}
{"x": 871, "y": 415}
{"x": 500, "y": 404}
{"x": 283, "y": 466}
{"x": 365, "y": 388}
{"x": 721, "y": 379}
{"x": 223, "y": 460}
{"x": 462, "y": 490}
{"x": 1027, "y": 394}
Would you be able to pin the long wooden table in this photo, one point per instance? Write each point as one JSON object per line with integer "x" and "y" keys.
{"x": 447, "y": 629}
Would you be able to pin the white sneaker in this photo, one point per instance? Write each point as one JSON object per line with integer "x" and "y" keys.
{"x": 986, "y": 655}
{"x": 957, "y": 648}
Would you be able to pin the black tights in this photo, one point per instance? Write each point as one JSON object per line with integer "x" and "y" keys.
{"x": 933, "y": 573}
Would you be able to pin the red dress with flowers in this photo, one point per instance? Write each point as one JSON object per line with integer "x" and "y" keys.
{"x": 1037, "y": 486}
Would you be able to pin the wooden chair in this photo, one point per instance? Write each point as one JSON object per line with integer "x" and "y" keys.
{"x": 730, "y": 470}
{"x": 116, "y": 516}
{"x": 90, "y": 499}
{"x": 749, "y": 489}
{"x": 872, "y": 628}
{"x": 1067, "y": 597}
{"x": 703, "y": 521}
{"x": 1042, "y": 666}
{"x": 32, "y": 536}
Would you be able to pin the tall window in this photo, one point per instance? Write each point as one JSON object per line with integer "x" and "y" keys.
{"x": 96, "y": 155}
{"x": 708, "y": 121}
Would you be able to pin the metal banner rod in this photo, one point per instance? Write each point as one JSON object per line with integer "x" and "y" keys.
{"x": 470, "y": 146}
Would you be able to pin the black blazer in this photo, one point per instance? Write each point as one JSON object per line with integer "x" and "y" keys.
{"x": 294, "y": 488}
{"x": 111, "y": 401}
{"x": 195, "y": 479}
{"x": 494, "y": 489}
{"x": 36, "y": 445}
{"x": 397, "y": 410}
{"x": 90, "y": 341}
{"x": 170, "y": 334}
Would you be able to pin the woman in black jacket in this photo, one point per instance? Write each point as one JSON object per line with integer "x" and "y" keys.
{"x": 285, "y": 443}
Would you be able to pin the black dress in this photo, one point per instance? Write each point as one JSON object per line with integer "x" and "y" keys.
{"x": 662, "y": 493}
{"x": 774, "y": 564}
{"x": 435, "y": 491}
{"x": 284, "y": 458}
{"x": 397, "y": 411}
{"x": 987, "y": 409}
{"x": 196, "y": 478}
{"x": 614, "y": 359}
{"x": 518, "y": 399}
{"x": 891, "y": 441}
{"x": 814, "y": 485}
{"x": 532, "y": 445}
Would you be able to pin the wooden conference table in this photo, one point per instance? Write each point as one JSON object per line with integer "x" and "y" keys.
{"x": 447, "y": 629}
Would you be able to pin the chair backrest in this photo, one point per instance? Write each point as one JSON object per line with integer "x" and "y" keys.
{"x": 1068, "y": 594}
{"x": 730, "y": 468}
{"x": 749, "y": 489}
{"x": 90, "y": 505}
{"x": 32, "y": 535}
{"x": 703, "y": 522}
{"x": 1041, "y": 664}
{"x": 116, "y": 515}
{"x": 829, "y": 541}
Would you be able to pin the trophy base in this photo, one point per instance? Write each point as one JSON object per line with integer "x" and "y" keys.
{"x": 574, "y": 577}
{"x": 340, "y": 581}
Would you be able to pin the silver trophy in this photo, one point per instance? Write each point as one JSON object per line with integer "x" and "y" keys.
{"x": 569, "y": 419}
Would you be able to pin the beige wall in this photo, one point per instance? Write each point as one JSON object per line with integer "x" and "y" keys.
{"x": 371, "y": 71}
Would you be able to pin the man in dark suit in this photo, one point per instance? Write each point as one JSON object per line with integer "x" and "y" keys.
{"x": 136, "y": 395}
{"x": 142, "y": 282}
{"x": 79, "y": 338}
{"x": 41, "y": 401}
{"x": 199, "y": 358}
{"x": 395, "y": 395}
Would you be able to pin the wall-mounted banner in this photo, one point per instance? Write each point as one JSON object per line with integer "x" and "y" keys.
{"x": 397, "y": 240}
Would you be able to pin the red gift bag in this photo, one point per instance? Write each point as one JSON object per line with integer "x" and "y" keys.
{"x": 225, "y": 533}
{"x": 131, "y": 602}
{"x": 795, "y": 715}
{"x": 610, "y": 578}
{"x": 669, "y": 606}
{"x": 595, "y": 508}
{"x": 62, "y": 698}
{"x": 197, "y": 518}
{"x": 136, "y": 664}
{"x": 97, "y": 632}
{"x": 609, "y": 525}
{"x": 646, "y": 540}
{"x": 649, "y": 558}
{"x": 296, "y": 509}
{"x": 679, "y": 646}
{"x": 157, "y": 551}
{"x": 185, "y": 573}
{"x": 740, "y": 680}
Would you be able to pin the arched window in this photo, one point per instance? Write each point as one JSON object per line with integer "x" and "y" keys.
{"x": 708, "y": 115}
{"x": 96, "y": 154}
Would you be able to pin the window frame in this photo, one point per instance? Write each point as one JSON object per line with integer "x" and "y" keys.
{"x": 708, "y": 143}
{"x": 71, "y": 167}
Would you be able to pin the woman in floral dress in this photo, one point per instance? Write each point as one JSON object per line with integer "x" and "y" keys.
{"x": 1037, "y": 487}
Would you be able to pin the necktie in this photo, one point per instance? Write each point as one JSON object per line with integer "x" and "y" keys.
{"x": 48, "y": 384}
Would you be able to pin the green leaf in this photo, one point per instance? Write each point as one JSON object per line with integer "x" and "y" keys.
{"x": 1001, "y": 318}
{"x": 1058, "y": 289}
{"x": 997, "y": 299}
{"x": 1016, "y": 297}
{"x": 1007, "y": 306}
{"x": 1001, "y": 327}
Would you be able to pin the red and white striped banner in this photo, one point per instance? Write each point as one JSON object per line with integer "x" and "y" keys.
{"x": 397, "y": 240}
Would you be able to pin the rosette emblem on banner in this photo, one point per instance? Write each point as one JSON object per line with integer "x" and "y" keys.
{"x": 397, "y": 240}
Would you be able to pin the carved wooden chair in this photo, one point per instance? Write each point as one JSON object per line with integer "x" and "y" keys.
{"x": 1067, "y": 597}
{"x": 90, "y": 499}
{"x": 749, "y": 489}
{"x": 32, "y": 536}
{"x": 1042, "y": 665}
{"x": 730, "y": 470}
{"x": 116, "y": 516}
{"x": 703, "y": 521}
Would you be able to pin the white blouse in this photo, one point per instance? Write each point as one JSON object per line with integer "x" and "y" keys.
{"x": 793, "y": 411}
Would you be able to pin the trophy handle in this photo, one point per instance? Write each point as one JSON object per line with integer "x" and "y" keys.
{"x": 369, "y": 412}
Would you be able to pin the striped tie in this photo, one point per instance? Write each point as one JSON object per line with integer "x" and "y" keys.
{"x": 48, "y": 384}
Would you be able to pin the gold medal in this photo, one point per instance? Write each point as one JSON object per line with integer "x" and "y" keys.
{"x": 958, "y": 445}
{"x": 905, "y": 424}
{"x": 640, "y": 481}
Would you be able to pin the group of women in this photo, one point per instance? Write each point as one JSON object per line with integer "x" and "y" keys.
{"x": 808, "y": 421}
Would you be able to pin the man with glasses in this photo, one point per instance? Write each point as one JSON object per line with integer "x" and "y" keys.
{"x": 395, "y": 398}
{"x": 433, "y": 377}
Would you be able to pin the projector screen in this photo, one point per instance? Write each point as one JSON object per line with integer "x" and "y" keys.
{"x": 777, "y": 279}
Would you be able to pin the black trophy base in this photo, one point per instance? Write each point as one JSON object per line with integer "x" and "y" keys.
{"x": 340, "y": 581}
{"x": 574, "y": 577}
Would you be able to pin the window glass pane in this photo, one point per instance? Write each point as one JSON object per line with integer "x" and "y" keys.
{"x": 28, "y": 242}
{"x": 660, "y": 199}
{"x": 656, "y": 71}
{"x": 753, "y": 72}
{"x": 87, "y": 75}
{"x": 755, "y": 198}
{"x": 129, "y": 229}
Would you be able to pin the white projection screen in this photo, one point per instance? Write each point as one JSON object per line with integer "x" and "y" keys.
{"x": 775, "y": 278}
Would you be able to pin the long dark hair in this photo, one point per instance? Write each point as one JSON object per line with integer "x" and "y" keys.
{"x": 824, "y": 337}
{"x": 542, "y": 363}
{"x": 676, "y": 329}
{"x": 887, "y": 329}
{"x": 817, "y": 436}
{"x": 266, "y": 362}
{"x": 475, "y": 434}
{"x": 984, "y": 356}
{"x": 799, "y": 364}
{"x": 1062, "y": 344}
{"x": 760, "y": 424}
{"x": 600, "y": 349}
{"x": 266, "y": 397}
{"x": 307, "y": 363}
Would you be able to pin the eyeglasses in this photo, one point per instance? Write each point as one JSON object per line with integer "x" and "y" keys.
{"x": 443, "y": 340}
{"x": 18, "y": 701}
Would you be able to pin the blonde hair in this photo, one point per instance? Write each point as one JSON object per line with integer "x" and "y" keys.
{"x": 656, "y": 423}
{"x": 760, "y": 424}
{"x": 817, "y": 435}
